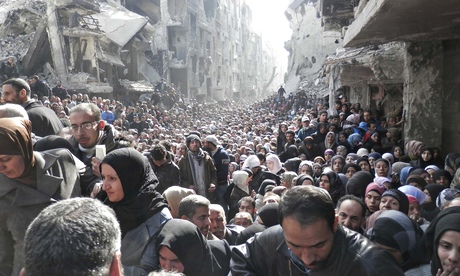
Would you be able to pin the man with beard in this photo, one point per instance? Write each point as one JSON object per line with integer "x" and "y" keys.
{"x": 309, "y": 241}
{"x": 195, "y": 208}
{"x": 197, "y": 170}
{"x": 44, "y": 121}
{"x": 219, "y": 226}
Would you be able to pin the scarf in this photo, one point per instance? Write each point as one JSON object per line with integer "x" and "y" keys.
{"x": 141, "y": 200}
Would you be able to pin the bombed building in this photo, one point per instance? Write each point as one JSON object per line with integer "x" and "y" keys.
{"x": 205, "y": 48}
{"x": 401, "y": 56}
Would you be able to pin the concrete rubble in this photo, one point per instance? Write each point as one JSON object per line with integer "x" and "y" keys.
{"x": 206, "y": 48}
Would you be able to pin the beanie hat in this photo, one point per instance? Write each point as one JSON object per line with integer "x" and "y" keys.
{"x": 192, "y": 137}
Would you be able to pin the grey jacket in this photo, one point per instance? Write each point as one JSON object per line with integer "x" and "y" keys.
{"x": 57, "y": 178}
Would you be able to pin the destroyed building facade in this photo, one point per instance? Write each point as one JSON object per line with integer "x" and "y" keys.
{"x": 402, "y": 55}
{"x": 206, "y": 48}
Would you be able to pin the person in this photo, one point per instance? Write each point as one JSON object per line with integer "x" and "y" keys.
{"x": 197, "y": 170}
{"x": 59, "y": 91}
{"x": 221, "y": 162}
{"x": 44, "y": 120}
{"x": 267, "y": 217}
{"x": 130, "y": 185}
{"x": 351, "y": 212}
{"x": 331, "y": 182}
{"x": 87, "y": 224}
{"x": 281, "y": 92}
{"x": 88, "y": 130}
{"x": 8, "y": 69}
{"x": 182, "y": 248}
{"x": 243, "y": 219}
{"x": 164, "y": 168}
{"x": 107, "y": 114}
{"x": 394, "y": 200}
{"x": 442, "y": 242}
{"x": 39, "y": 87}
{"x": 396, "y": 233}
{"x": 195, "y": 208}
{"x": 30, "y": 181}
{"x": 309, "y": 241}
{"x": 173, "y": 196}
{"x": 219, "y": 227}
{"x": 240, "y": 190}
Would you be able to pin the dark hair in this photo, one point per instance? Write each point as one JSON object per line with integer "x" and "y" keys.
{"x": 18, "y": 84}
{"x": 247, "y": 199}
{"x": 353, "y": 198}
{"x": 158, "y": 153}
{"x": 307, "y": 204}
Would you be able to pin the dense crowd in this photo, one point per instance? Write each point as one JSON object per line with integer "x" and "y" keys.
{"x": 231, "y": 169}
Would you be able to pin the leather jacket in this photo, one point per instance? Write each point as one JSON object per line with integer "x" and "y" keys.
{"x": 267, "y": 254}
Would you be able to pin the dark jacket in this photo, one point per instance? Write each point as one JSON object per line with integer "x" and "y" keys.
{"x": 168, "y": 174}
{"x": 352, "y": 254}
{"x": 221, "y": 162}
{"x": 44, "y": 120}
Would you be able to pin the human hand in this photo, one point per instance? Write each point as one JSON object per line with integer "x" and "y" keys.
{"x": 95, "y": 162}
{"x": 450, "y": 271}
{"x": 96, "y": 189}
{"x": 212, "y": 188}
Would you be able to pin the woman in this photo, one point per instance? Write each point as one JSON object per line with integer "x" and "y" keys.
{"x": 286, "y": 179}
{"x": 358, "y": 183}
{"x": 30, "y": 181}
{"x": 442, "y": 242}
{"x": 331, "y": 182}
{"x": 305, "y": 167}
{"x": 425, "y": 159}
{"x": 382, "y": 167}
{"x": 363, "y": 162}
{"x": 181, "y": 247}
{"x": 373, "y": 197}
{"x": 394, "y": 200}
{"x": 304, "y": 179}
{"x": 330, "y": 142}
{"x": 429, "y": 208}
{"x": 350, "y": 169}
{"x": 337, "y": 163}
{"x": 130, "y": 183}
{"x": 173, "y": 196}
{"x": 241, "y": 181}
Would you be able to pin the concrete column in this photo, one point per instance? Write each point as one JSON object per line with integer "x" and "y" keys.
{"x": 56, "y": 42}
{"x": 423, "y": 90}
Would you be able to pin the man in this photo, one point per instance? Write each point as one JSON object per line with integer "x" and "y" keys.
{"x": 309, "y": 241}
{"x": 44, "y": 121}
{"x": 195, "y": 208}
{"x": 39, "y": 87}
{"x": 221, "y": 162}
{"x": 243, "y": 219}
{"x": 8, "y": 69}
{"x": 91, "y": 229}
{"x": 306, "y": 129}
{"x": 107, "y": 115}
{"x": 166, "y": 171}
{"x": 351, "y": 212}
{"x": 59, "y": 91}
{"x": 247, "y": 204}
{"x": 219, "y": 226}
{"x": 89, "y": 130}
{"x": 197, "y": 170}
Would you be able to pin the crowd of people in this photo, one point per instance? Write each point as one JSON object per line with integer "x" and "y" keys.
{"x": 285, "y": 185}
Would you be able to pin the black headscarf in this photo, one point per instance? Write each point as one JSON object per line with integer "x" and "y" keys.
{"x": 400, "y": 197}
{"x": 337, "y": 190}
{"x": 269, "y": 214}
{"x": 185, "y": 240}
{"x": 357, "y": 184}
{"x": 141, "y": 200}
{"x": 447, "y": 219}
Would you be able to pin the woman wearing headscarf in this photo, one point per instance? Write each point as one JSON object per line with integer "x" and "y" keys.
{"x": 268, "y": 217}
{"x": 373, "y": 197}
{"x": 173, "y": 195}
{"x": 331, "y": 182}
{"x": 353, "y": 141}
{"x": 396, "y": 233}
{"x": 442, "y": 242}
{"x": 394, "y": 200}
{"x": 358, "y": 183}
{"x": 241, "y": 180}
{"x": 456, "y": 180}
{"x": 181, "y": 247}
{"x": 30, "y": 181}
{"x": 452, "y": 162}
{"x": 382, "y": 167}
{"x": 424, "y": 159}
{"x": 350, "y": 169}
{"x": 304, "y": 179}
{"x": 429, "y": 208}
{"x": 130, "y": 184}
{"x": 442, "y": 177}
{"x": 337, "y": 163}
{"x": 330, "y": 142}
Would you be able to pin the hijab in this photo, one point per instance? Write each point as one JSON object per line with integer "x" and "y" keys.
{"x": 240, "y": 180}
{"x": 141, "y": 200}
{"x": 15, "y": 139}
{"x": 269, "y": 214}
{"x": 388, "y": 164}
{"x": 400, "y": 197}
{"x": 299, "y": 181}
{"x": 337, "y": 189}
{"x": 357, "y": 184}
{"x": 185, "y": 240}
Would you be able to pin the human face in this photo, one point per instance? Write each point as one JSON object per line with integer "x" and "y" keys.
{"x": 389, "y": 203}
{"x": 87, "y": 138}
{"x": 311, "y": 243}
{"x": 324, "y": 182}
{"x": 246, "y": 207}
{"x": 371, "y": 161}
{"x": 169, "y": 261}
{"x": 330, "y": 138}
{"x": 12, "y": 166}
{"x": 270, "y": 165}
{"x": 428, "y": 199}
{"x": 342, "y": 138}
{"x": 426, "y": 155}
{"x": 111, "y": 184}
{"x": 270, "y": 199}
{"x": 201, "y": 219}
{"x": 381, "y": 168}
{"x": 289, "y": 137}
{"x": 372, "y": 201}
{"x": 337, "y": 166}
{"x": 305, "y": 170}
{"x": 375, "y": 137}
{"x": 217, "y": 224}
{"x": 397, "y": 152}
{"x": 415, "y": 184}
{"x": 9, "y": 94}
{"x": 442, "y": 180}
{"x": 366, "y": 116}
{"x": 449, "y": 252}
{"x": 350, "y": 172}
{"x": 194, "y": 146}
{"x": 323, "y": 117}
{"x": 364, "y": 166}
{"x": 414, "y": 210}
{"x": 328, "y": 156}
{"x": 351, "y": 215}
{"x": 340, "y": 151}
{"x": 242, "y": 221}
{"x": 349, "y": 160}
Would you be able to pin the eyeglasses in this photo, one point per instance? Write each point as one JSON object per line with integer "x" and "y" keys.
{"x": 84, "y": 126}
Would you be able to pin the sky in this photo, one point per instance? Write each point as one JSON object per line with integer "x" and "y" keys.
{"x": 269, "y": 20}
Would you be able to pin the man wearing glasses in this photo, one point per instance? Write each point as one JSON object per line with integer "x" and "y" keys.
{"x": 89, "y": 130}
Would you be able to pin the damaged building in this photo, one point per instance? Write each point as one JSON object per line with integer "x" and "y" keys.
{"x": 121, "y": 49}
{"x": 401, "y": 55}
